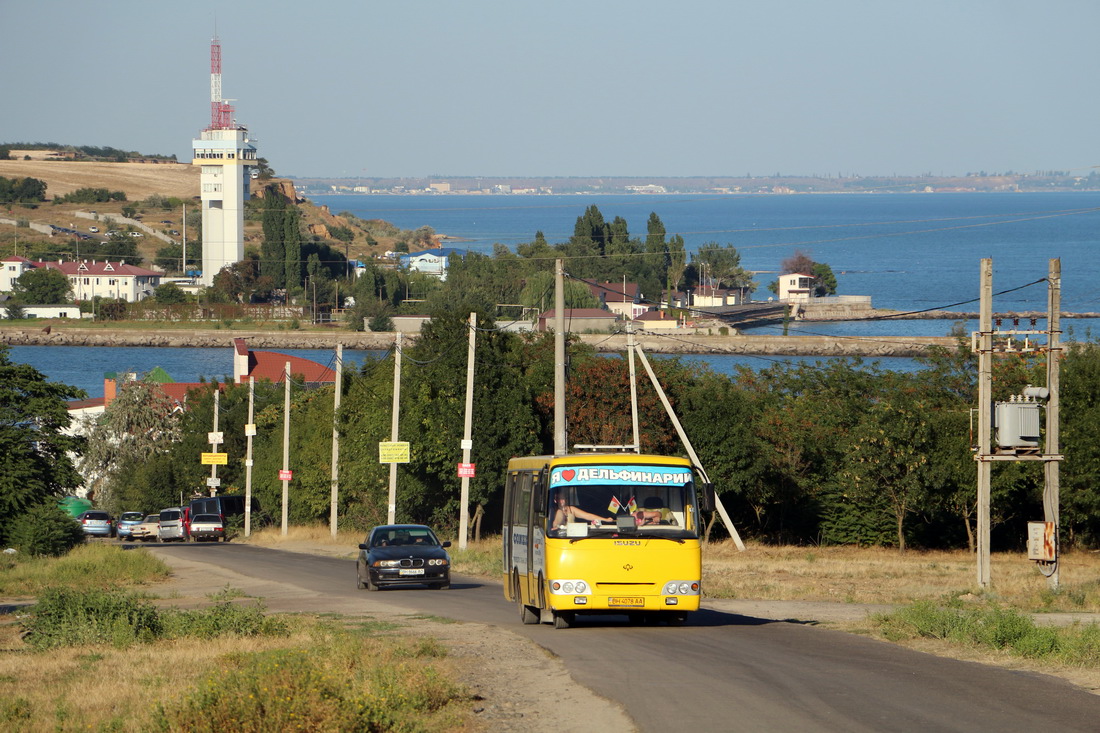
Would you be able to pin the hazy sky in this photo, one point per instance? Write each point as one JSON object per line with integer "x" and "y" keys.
{"x": 567, "y": 87}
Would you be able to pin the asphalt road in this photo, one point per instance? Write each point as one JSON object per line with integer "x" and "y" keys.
{"x": 722, "y": 671}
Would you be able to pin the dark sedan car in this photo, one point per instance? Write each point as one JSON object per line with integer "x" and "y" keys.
{"x": 403, "y": 554}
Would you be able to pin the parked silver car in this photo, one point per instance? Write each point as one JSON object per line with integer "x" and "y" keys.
{"x": 207, "y": 527}
{"x": 172, "y": 525}
{"x": 97, "y": 523}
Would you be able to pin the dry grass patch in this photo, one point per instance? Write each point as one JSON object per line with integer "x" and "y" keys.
{"x": 320, "y": 675}
{"x": 885, "y": 576}
{"x": 315, "y": 538}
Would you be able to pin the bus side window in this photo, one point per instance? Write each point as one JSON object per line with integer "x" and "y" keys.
{"x": 539, "y": 490}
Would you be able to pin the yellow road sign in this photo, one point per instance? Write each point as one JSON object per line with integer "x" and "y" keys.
{"x": 215, "y": 459}
{"x": 393, "y": 452}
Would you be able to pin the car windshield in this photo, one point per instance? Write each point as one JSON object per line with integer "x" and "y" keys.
{"x": 400, "y": 536}
{"x": 617, "y": 500}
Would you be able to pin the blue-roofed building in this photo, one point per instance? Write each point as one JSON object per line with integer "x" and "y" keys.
{"x": 431, "y": 261}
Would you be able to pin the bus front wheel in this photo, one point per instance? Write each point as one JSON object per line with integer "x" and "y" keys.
{"x": 563, "y": 619}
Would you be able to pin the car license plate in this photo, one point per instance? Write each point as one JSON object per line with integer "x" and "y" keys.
{"x": 411, "y": 571}
{"x": 635, "y": 601}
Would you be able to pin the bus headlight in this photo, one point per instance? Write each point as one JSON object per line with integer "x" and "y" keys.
{"x": 682, "y": 587}
{"x": 568, "y": 587}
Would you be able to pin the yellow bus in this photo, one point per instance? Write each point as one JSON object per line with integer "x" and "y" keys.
{"x": 602, "y": 533}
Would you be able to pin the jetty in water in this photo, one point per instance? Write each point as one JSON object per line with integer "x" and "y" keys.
{"x": 679, "y": 341}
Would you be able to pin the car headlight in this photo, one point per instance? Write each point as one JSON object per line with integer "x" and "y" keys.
{"x": 386, "y": 563}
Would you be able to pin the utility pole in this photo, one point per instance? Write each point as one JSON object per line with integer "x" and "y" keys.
{"x": 985, "y": 415}
{"x": 215, "y": 440}
{"x": 391, "y": 512}
{"x": 249, "y": 432}
{"x": 690, "y": 449}
{"x": 334, "y": 500}
{"x": 561, "y": 439}
{"x": 286, "y": 445}
{"x": 183, "y": 228}
{"x": 1018, "y": 436}
{"x": 467, "y": 439}
{"x": 633, "y": 385}
{"x": 1052, "y": 447}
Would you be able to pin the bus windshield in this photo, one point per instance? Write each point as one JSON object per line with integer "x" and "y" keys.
{"x": 619, "y": 499}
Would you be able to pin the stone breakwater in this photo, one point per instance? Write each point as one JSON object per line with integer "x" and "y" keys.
{"x": 678, "y": 343}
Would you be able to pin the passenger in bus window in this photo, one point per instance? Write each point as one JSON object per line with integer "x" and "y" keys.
{"x": 653, "y": 511}
{"x": 565, "y": 512}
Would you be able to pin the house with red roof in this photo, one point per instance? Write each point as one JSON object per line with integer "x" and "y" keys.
{"x": 271, "y": 365}
{"x": 89, "y": 279}
{"x": 657, "y": 320}
{"x": 623, "y": 298}
{"x": 581, "y": 320}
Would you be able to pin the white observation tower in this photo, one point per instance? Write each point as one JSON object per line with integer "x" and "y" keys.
{"x": 227, "y": 157}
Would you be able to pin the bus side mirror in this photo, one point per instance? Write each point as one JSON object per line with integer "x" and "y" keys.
{"x": 708, "y": 497}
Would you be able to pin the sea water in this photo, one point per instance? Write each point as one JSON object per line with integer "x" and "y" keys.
{"x": 907, "y": 251}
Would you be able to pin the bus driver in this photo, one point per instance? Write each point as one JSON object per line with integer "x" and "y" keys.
{"x": 565, "y": 512}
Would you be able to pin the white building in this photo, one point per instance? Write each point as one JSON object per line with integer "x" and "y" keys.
{"x": 91, "y": 278}
{"x": 795, "y": 287}
{"x": 430, "y": 261}
{"x": 13, "y": 267}
{"x": 227, "y": 158}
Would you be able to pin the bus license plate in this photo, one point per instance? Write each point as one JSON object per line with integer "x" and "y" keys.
{"x": 411, "y": 571}
{"x": 626, "y": 601}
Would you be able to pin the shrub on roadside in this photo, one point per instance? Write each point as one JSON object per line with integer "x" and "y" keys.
{"x": 44, "y": 530}
{"x": 68, "y": 617}
{"x": 997, "y": 628}
{"x": 222, "y": 619}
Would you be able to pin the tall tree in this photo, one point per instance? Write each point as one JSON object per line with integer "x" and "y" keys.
{"x": 42, "y": 286}
{"x": 36, "y": 464}
{"x": 138, "y": 424}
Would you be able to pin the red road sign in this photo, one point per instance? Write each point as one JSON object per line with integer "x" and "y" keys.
{"x": 285, "y": 474}
{"x": 466, "y": 470}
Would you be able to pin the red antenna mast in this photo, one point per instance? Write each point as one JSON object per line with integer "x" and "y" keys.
{"x": 221, "y": 112}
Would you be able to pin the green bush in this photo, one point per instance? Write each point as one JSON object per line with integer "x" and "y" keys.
{"x": 66, "y": 617}
{"x": 69, "y": 617}
{"x": 223, "y": 619}
{"x": 44, "y": 530}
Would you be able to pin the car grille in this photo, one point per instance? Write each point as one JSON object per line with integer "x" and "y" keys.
{"x": 412, "y": 562}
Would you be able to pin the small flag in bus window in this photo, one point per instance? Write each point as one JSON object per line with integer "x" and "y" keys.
{"x": 615, "y": 504}
{"x": 632, "y": 506}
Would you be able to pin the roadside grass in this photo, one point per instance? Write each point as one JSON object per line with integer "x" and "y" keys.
{"x": 999, "y": 629}
{"x": 92, "y": 565}
{"x": 110, "y": 660}
{"x": 315, "y": 677}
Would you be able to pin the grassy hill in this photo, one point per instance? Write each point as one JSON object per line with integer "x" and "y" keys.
{"x": 140, "y": 181}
